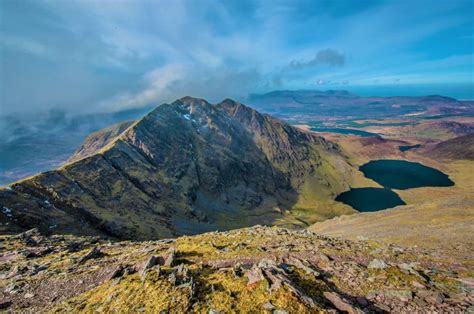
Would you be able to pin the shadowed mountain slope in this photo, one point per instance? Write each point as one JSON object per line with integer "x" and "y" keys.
{"x": 99, "y": 139}
{"x": 185, "y": 168}
{"x": 461, "y": 147}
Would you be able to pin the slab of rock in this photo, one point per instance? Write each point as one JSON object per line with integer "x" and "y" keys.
{"x": 341, "y": 304}
{"x": 116, "y": 273}
{"x": 74, "y": 246}
{"x": 467, "y": 281}
{"x": 28, "y": 295}
{"x": 94, "y": 253}
{"x": 27, "y": 236}
{"x": 418, "y": 285}
{"x": 152, "y": 261}
{"x": 169, "y": 257}
{"x": 254, "y": 275}
{"x": 402, "y": 295}
{"x": 298, "y": 263}
{"x": 432, "y": 297}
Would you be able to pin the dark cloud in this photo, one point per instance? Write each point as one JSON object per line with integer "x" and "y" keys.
{"x": 326, "y": 57}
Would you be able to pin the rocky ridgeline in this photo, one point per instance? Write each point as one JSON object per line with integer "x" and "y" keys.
{"x": 258, "y": 269}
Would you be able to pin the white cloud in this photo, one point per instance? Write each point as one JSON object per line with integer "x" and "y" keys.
{"x": 172, "y": 81}
{"x": 94, "y": 55}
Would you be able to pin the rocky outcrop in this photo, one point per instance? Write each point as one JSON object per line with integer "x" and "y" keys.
{"x": 247, "y": 270}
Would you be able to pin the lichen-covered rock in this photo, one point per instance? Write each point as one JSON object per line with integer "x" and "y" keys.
{"x": 377, "y": 264}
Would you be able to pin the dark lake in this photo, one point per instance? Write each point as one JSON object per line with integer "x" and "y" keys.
{"x": 344, "y": 131}
{"x": 404, "y": 148}
{"x": 402, "y": 175}
{"x": 370, "y": 199}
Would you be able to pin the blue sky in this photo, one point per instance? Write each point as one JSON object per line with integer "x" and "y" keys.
{"x": 108, "y": 55}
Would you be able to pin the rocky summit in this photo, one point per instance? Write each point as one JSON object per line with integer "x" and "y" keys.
{"x": 187, "y": 167}
{"x": 258, "y": 269}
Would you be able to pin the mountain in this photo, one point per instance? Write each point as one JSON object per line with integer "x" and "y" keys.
{"x": 339, "y": 104}
{"x": 185, "y": 168}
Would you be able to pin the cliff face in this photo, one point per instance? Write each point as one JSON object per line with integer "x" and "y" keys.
{"x": 185, "y": 168}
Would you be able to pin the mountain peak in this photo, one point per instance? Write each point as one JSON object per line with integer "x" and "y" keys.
{"x": 235, "y": 108}
{"x": 230, "y": 102}
{"x": 191, "y": 101}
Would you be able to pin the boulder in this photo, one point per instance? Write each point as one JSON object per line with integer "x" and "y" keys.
{"x": 377, "y": 264}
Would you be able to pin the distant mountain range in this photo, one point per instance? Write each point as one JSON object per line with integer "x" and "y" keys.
{"x": 340, "y": 103}
{"x": 184, "y": 168}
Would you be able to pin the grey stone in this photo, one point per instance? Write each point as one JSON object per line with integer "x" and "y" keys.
{"x": 341, "y": 304}
{"x": 268, "y": 306}
{"x": 169, "y": 258}
{"x": 377, "y": 264}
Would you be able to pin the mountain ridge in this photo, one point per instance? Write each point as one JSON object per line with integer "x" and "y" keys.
{"x": 184, "y": 168}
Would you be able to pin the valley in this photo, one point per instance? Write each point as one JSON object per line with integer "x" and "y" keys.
{"x": 439, "y": 218}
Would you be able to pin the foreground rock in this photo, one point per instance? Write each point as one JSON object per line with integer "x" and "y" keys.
{"x": 248, "y": 270}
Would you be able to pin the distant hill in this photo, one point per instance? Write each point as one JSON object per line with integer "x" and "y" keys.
{"x": 185, "y": 168}
{"x": 341, "y": 103}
